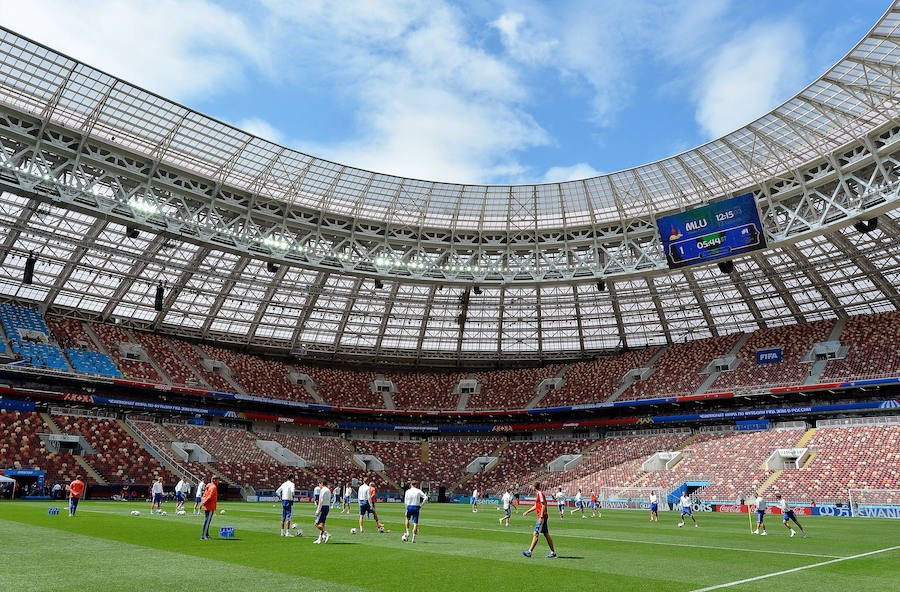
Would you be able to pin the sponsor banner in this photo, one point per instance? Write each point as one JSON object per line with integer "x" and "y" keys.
{"x": 878, "y": 511}
{"x": 16, "y": 405}
{"x": 768, "y": 356}
{"x": 630, "y": 505}
{"x": 743, "y": 509}
{"x": 486, "y": 501}
{"x": 162, "y": 407}
{"x": 835, "y": 511}
{"x": 732, "y": 508}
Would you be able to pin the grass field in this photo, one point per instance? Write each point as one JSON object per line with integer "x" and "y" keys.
{"x": 104, "y": 548}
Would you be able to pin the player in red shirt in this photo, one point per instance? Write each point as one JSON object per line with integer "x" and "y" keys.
{"x": 372, "y": 502}
{"x": 210, "y": 497}
{"x": 76, "y": 490}
{"x": 540, "y": 527}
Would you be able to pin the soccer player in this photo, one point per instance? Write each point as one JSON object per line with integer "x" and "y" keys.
{"x": 540, "y": 527}
{"x": 654, "y": 508}
{"x": 788, "y": 514}
{"x": 475, "y": 500}
{"x": 364, "y": 509}
{"x": 348, "y": 493}
{"x": 322, "y": 508}
{"x": 595, "y": 512}
{"x": 316, "y": 492}
{"x": 156, "y": 494}
{"x": 198, "y": 496}
{"x": 76, "y": 490}
{"x": 413, "y": 499}
{"x": 760, "y": 515}
{"x": 209, "y": 503}
{"x": 579, "y": 504}
{"x": 507, "y": 509}
{"x": 179, "y": 493}
{"x": 561, "y": 502}
{"x": 685, "y": 504}
{"x": 286, "y": 492}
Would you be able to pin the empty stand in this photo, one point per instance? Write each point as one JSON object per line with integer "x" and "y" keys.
{"x": 595, "y": 381}
{"x": 30, "y": 338}
{"x": 510, "y": 389}
{"x": 874, "y": 350}
{"x": 112, "y": 336}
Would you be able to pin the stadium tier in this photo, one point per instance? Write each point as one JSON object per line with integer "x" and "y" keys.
{"x": 348, "y": 388}
{"x": 22, "y": 448}
{"x": 191, "y": 354}
{"x": 873, "y": 345}
{"x": 510, "y": 389}
{"x": 597, "y": 380}
{"x": 29, "y": 337}
{"x": 112, "y": 339}
{"x": 425, "y": 390}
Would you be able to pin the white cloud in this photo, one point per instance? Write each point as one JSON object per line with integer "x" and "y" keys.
{"x": 181, "y": 50}
{"x": 761, "y": 67}
{"x": 262, "y": 128}
{"x": 521, "y": 41}
{"x": 429, "y": 102}
{"x": 558, "y": 174}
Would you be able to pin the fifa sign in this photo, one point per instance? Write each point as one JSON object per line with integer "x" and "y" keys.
{"x": 768, "y": 356}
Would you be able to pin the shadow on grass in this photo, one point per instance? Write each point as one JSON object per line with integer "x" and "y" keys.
{"x": 569, "y": 557}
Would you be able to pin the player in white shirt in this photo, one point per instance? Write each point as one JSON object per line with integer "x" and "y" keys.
{"x": 322, "y": 508}
{"x": 286, "y": 491}
{"x": 364, "y": 508}
{"x": 579, "y": 504}
{"x": 654, "y": 508}
{"x": 787, "y": 514}
{"x": 156, "y": 495}
{"x": 198, "y": 496}
{"x": 316, "y": 494}
{"x": 475, "y": 500}
{"x": 685, "y": 503}
{"x": 345, "y": 502}
{"x": 179, "y": 493}
{"x": 507, "y": 506}
{"x": 760, "y": 515}
{"x": 561, "y": 502}
{"x": 413, "y": 499}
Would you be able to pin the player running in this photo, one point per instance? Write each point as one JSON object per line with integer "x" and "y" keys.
{"x": 579, "y": 504}
{"x": 788, "y": 514}
{"x": 595, "y": 507}
{"x": 414, "y": 498}
{"x": 760, "y": 515}
{"x": 156, "y": 494}
{"x": 561, "y": 502}
{"x": 76, "y": 490}
{"x": 685, "y": 504}
{"x": 322, "y": 508}
{"x": 198, "y": 496}
{"x": 540, "y": 527}
{"x": 209, "y": 502}
{"x": 475, "y": 500}
{"x": 286, "y": 492}
{"x": 507, "y": 507}
{"x": 654, "y": 508}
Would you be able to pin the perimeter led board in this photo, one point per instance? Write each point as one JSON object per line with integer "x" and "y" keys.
{"x": 717, "y": 231}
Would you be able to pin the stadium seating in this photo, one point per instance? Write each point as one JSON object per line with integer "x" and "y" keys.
{"x": 595, "y": 381}
{"x": 521, "y": 461}
{"x": 873, "y": 350}
{"x": 90, "y": 362}
{"x": 112, "y": 336}
{"x": 193, "y": 357}
{"x": 258, "y": 376}
{"x": 858, "y": 457}
{"x": 426, "y": 390}
{"x": 40, "y": 352}
{"x": 347, "y": 388}
{"x": 510, "y": 389}
{"x": 118, "y": 456}
{"x": 157, "y": 347}
{"x": 80, "y": 348}
{"x": 22, "y": 448}
{"x": 731, "y": 460}
{"x": 795, "y": 341}
{"x": 677, "y": 370}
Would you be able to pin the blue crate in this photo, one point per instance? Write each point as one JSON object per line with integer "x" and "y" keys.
{"x": 53, "y": 511}
{"x": 226, "y": 532}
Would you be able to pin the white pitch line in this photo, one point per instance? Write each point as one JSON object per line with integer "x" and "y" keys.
{"x": 787, "y": 571}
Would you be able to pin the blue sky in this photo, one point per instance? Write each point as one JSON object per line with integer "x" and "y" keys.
{"x": 490, "y": 91}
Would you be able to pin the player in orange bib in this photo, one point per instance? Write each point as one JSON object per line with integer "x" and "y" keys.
{"x": 540, "y": 527}
{"x": 76, "y": 490}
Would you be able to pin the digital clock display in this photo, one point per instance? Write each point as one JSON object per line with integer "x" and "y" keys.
{"x": 717, "y": 231}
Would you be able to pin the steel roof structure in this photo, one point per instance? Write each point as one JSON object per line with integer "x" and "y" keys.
{"x": 264, "y": 246}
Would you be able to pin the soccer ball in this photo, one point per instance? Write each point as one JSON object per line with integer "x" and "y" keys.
{"x": 163, "y": 513}
{"x": 381, "y": 528}
{"x": 221, "y": 511}
{"x": 404, "y": 538}
{"x": 298, "y": 531}
{"x": 680, "y": 524}
{"x": 135, "y": 513}
{"x": 181, "y": 512}
{"x": 352, "y": 531}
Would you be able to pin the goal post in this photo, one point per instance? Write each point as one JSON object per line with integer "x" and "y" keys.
{"x": 632, "y": 498}
{"x": 874, "y": 503}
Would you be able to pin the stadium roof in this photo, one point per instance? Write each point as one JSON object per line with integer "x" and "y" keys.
{"x": 86, "y": 155}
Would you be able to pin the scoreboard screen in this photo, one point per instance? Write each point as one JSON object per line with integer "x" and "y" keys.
{"x": 717, "y": 231}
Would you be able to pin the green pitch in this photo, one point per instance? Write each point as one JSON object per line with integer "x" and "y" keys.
{"x": 105, "y": 548}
